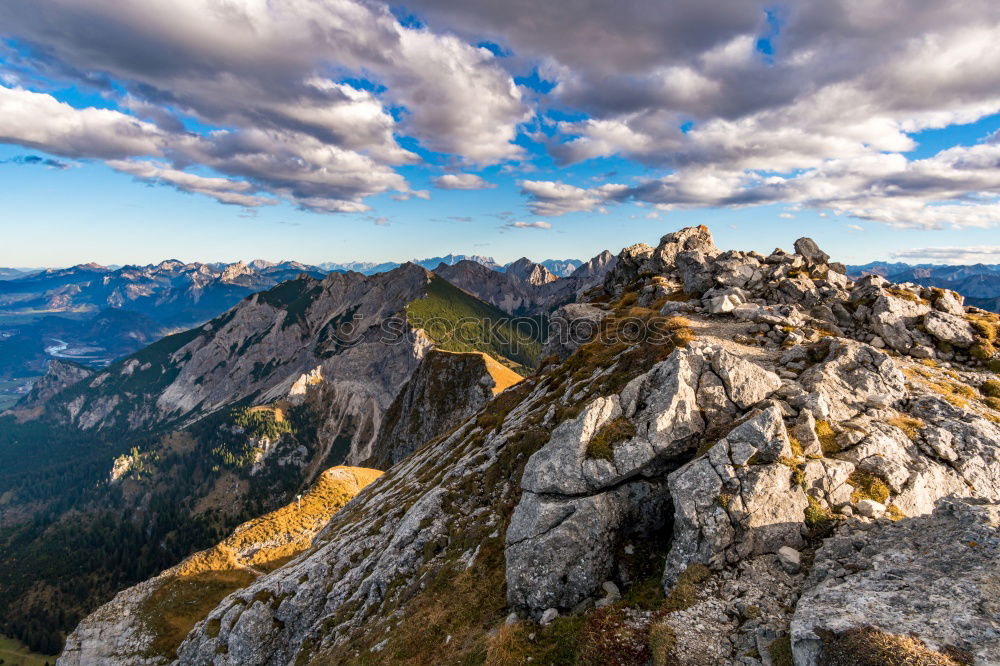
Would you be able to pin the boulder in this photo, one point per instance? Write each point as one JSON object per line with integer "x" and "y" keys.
{"x": 810, "y": 251}
{"x": 935, "y": 579}
{"x": 950, "y": 328}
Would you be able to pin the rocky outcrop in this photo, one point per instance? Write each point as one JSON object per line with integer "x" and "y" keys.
{"x": 529, "y": 272}
{"x": 444, "y": 390}
{"x": 709, "y": 466}
{"x": 934, "y": 579}
{"x": 526, "y": 288}
{"x": 571, "y": 326}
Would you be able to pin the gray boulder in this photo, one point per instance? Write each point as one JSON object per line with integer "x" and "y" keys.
{"x": 935, "y": 578}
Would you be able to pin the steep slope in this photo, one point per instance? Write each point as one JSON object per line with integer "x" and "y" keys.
{"x": 659, "y": 496}
{"x": 167, "y": 606}
{"x": 526, "y": 288}
{"x": 445, "y": 389}
{"x": 126, "y": 472}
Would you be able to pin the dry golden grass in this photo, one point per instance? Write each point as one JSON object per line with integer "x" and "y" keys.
{"x": 910, "y": 426}
{"x": 827, "y": 438}
{"x": 868, "y": 646}
{"x": 867, "y": 486}
{"x": 503, "y": 376}
{"x": 285, "y": 531}
{"x": 194, "y": 587}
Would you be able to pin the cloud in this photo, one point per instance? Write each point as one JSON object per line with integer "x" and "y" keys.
{"x": 35, "y": 160}
{"x": 551, "y": 198}
{"x": 38, "y": 120}
{"x": 461, "y": 181}
{"x": 312, "y": 96}
{"x": 528, "y": 225}
{"x": 952, "y": 255}
{"x": 223, "y": 190}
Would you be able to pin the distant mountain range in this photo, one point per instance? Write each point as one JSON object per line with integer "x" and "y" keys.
{"x": 92, "y": 314}
{"x": 979, "y": 283}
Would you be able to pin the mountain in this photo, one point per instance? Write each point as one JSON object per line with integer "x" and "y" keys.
{"x": 170, "y": 604}
{"x": 369, "y": 268}
{"x": 525, "y": 288}
{"x": 979, "y": 283}
{"x": 750, "y": 456}
{"x": 561, "y": 267}
{"x": 207, "y": 428}
{"x": 529, "y": 272}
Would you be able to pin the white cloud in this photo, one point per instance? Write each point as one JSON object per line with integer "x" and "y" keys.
{"x": 461, "y": 181}
{"x": 952, "y": 255}
{"x": 551, "y": 198}
{"x": 529, "y": 225}
{"x": 37, "y": 120}
{"x": 223, "y": 190}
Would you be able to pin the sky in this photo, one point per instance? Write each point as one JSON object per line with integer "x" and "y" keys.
{"x": 133, "y": 131}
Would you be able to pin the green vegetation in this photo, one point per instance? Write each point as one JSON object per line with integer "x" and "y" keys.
{"x": 818, "y": 517}
{"x": 685, "y": 591}
{"x": 601, "y": 445}
{"x": 459, "y": 322}
{"x": 781, "y": 651}
{"x": 990, "y": 388}
{"x": 14, "y": 653}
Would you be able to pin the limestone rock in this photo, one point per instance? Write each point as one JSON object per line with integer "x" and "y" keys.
{"x": 935, "y": 578}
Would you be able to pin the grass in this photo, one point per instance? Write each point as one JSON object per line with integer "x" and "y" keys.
{"x": 817, "y": 517}
{"x": 990, "y": 388}
{"x": 827, "y": 438}
{"x": 173, "y": 609}
{"x": 15, "y": 653}
{"x": 867, "y": 486}
{"x": 601, "y": 445}
{"x": 685, "y": 591}
{"x": 781, "y": 651}
{"x": 907, "y": 295}
{"x": 909, "y": 425}
{"x": 867, "y": 646}
{"x": 460, "y": 322}
{"x": 197, "y": 585}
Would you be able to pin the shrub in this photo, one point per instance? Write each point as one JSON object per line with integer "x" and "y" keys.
{"x": 990, "y": 388}
{"x": 816, "y": 515}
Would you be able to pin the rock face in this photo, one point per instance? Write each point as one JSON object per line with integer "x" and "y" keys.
{"x": 934, "y": 578}
{"x": 345, "y": 338}
{"x": 444, "y": 390}
{"x": 525, "y": 288}
{"x": 59, "y": 376}
{"x": 777, "y": 465}
{"x": 529, "y": 272}
{"x": 139, "y": 625}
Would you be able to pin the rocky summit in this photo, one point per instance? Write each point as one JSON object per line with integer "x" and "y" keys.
{"x": 721, "y": 457}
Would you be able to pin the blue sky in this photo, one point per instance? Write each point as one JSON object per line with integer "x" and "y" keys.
{"x": 169, "y": 133}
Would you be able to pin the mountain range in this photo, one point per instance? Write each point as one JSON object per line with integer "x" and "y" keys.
{"x": 675, "y": 455}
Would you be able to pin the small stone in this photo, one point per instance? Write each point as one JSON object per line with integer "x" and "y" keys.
{"x": 870, "y": 508}
{"x": 511, "y": 619}
{"x": 630, "y": 549}
{"x": 877, "y": 343}
{"x": 790, "y": 559}
{"x": 548, "y": 616}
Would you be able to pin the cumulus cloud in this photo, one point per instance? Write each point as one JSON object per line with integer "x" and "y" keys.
{"x": 313, "y": 95}
{"x": 551, "y": 198}
{"x": 529, "y": 225}
{"x": 40, "y": 121}
{"x": 952, "y": 255}
{"x": 461, "y": 181}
